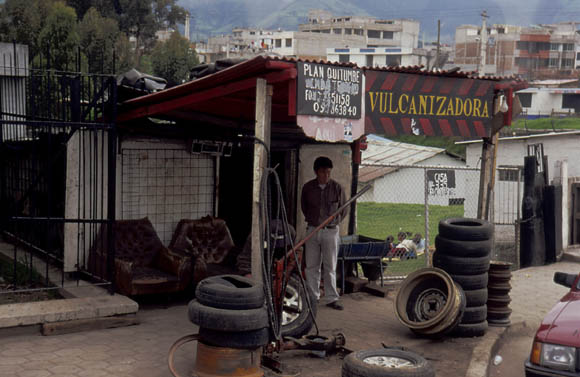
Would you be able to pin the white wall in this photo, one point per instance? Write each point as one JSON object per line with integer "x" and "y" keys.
{"x": 341, "y": 157}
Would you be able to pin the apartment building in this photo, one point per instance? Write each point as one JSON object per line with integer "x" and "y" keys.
{"x": 537, "y": 52}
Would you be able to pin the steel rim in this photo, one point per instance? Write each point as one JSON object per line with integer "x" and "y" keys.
{"x": 389, "y": 361}
{"x": 292, "y": 305}
{"x": 429, "y": 303}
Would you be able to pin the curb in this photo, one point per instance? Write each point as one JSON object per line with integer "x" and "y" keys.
{"x": 488, "y": 346}
{"x": 571, "y": 256}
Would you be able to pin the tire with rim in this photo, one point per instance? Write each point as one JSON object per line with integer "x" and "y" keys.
{"x": 465, "y": 229}
{"x": 230, "y": 292}
{"x": 233, "y": 339}
{"x": 386, "y": 362}
{"x": 297, "y": 319}
{"x": 474, "y": 314}
{"x": 476, "y": 297}
{"x": 470, "y": 282}
{"x": 226, "y": 319}
{"x": 467, "y": 330}
{"x": 462, "y": 248}
{"x": 461, "y": 265}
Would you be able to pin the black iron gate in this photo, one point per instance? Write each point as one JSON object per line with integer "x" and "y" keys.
{"x": 57, "y": 177}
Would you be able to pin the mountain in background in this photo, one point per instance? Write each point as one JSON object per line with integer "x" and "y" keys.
{"x": 214, "y": 17}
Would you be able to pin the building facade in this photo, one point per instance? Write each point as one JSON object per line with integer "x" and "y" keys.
{"x": 538, "y": 52}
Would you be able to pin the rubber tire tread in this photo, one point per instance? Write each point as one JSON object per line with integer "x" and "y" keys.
{"x": 476, "y": 297}
{"x": 470, "y": 329}
{"x": 456, "y": 229}
{"x": 231, "y": 339}
{"x": 471, "y": 282}
{"x": 463, "y": 248}
{"x": 226, "y": 319}
{"x": 474, "y": 314}
{"x": 461, "y": 265}
{"x": 301, "y": 325}
{"x": 219, "y": 292}
{"x": 353, "y": 364}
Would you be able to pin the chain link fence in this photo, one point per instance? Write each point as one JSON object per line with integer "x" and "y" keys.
{"x": 406, "y": 203}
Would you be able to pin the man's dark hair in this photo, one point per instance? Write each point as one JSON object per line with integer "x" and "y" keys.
{"x": 322, "y": 162}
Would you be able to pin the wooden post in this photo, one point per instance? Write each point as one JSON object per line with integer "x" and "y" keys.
{"x": 262, "y": 132}
{"x": 487, "y": 177}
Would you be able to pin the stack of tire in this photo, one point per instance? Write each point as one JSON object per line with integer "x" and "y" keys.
{"x": 498, "y": 299}
{"x": 463, "y": 248}
{"x": 230, "y": 312}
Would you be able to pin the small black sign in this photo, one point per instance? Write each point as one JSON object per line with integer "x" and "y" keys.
{"x": 329, "y": 91}
{"x": 441, "y": 182}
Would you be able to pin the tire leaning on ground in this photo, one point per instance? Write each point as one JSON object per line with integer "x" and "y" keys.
{"x": 386, "y": 362}
{"x": 242, "y": 340}
{"x": 457, "y": 248}
{"x": 226, "y": 319}
{"x": 461, "y": 265}
{"x": 296, "y": 318}
{"x": 465, "y": 229}
{"x": 429, "y": 302}
{"x": 230, "y": 292}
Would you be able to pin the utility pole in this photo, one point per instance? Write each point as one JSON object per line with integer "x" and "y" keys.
{"x": 483, "y": 46}
{"x": 438, "y": 43}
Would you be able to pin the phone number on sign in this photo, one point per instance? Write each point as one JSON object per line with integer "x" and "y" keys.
{"x": 335, "y": 109}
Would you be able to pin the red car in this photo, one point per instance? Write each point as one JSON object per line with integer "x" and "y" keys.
{"x": 556, "y": 348}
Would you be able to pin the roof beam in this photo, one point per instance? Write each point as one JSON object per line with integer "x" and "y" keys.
{"x": 205, "y": 95}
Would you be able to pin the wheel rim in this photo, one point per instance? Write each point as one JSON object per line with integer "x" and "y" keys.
{"x": 429, "y": 304}
{"x": 389, "y": 361}
{"x": 292, "y": 305}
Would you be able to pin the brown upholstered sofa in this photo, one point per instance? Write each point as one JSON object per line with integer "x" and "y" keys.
{"x": 143, "y": 265}
{"x": 208, "y": 242}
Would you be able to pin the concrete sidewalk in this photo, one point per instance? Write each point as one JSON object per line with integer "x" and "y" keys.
{"x": 367, "y": 322}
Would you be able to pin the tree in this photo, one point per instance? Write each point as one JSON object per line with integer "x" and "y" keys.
{"x": 173, "y": 59}
{"x": 59, "y": 36}
{"x": 98, "y": 36}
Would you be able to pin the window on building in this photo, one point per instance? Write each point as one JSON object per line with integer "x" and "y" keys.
{"x": 278, "y": 43}
{"x": 348, "y": 31}
{"x": 252, "y": 33}
{"x": 525, "y": 99}
{"x": 388, "y": 35}
{"x": 358, "y": 31}
{"x": 373, "y": 33}
{"x": 578, "y": 56}
{"x": 344, "y": 58}
{"x": 325, "y": 31}
{"x": 337, "y": 31}
{"x": 571, "y": 101}
{"x": 567, "y": 63}
{"x": 288, "y": 42}
{"x": 510, "y": 175}
{"x": 370, "y": 60}
{"x": 568, "y": 46}
{"x": 501, "y": 30}
{"x": 393, "y": 60}
{"x": 554, "y": 46}
{"x": 554, "y": 62}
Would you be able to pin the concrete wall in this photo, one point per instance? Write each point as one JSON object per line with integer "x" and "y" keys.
{"x": 544, "y": 102}
{"x": 341, "y": 157}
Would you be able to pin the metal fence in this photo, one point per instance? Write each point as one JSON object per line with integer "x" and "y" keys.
{"x": 57, "y": 175}
{"x": 409, "y": 201}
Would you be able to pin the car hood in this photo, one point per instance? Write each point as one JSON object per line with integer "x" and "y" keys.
{"x": 562, "y": 324}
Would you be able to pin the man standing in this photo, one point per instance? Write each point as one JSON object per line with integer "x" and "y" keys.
{"x": 321, "y": 197}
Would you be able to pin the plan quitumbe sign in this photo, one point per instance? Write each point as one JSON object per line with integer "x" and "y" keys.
{"x": 329, "y": 91}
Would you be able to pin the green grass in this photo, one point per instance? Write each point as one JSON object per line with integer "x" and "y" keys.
{"x": 378, "y": 220}
{"x": 570, "y": 123}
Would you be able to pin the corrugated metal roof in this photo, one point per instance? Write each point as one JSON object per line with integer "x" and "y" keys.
{"x": 524, "y": 137}
{"x": 454, "y": 72}
{"x": 381, "y": 151}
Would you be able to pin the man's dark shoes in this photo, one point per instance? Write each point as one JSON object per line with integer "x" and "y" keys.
{"x": 335, "y": 305}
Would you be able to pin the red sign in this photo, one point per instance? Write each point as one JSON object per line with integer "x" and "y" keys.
{"x": 400, "y": 103}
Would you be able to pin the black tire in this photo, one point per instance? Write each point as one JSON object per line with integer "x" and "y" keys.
{"x": 474, "y": 314}
{"x": 462, "y": 248}
{"x": 354, "y": 365}
{"x": 468, "y": 330}
{"x": 498, "y": 301}
{"x": 230, "y": 292}
{"x": 296, "y": 318}
{"x": 471, "y": 282}
{"x": 227, "y": 320}
{"x": 476, "y": 297}
{"x": 465, "y": 229}
{"x": 498, "y": 314}
{"x": 461, "y": 265}
{"x": 244, "y": 339}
